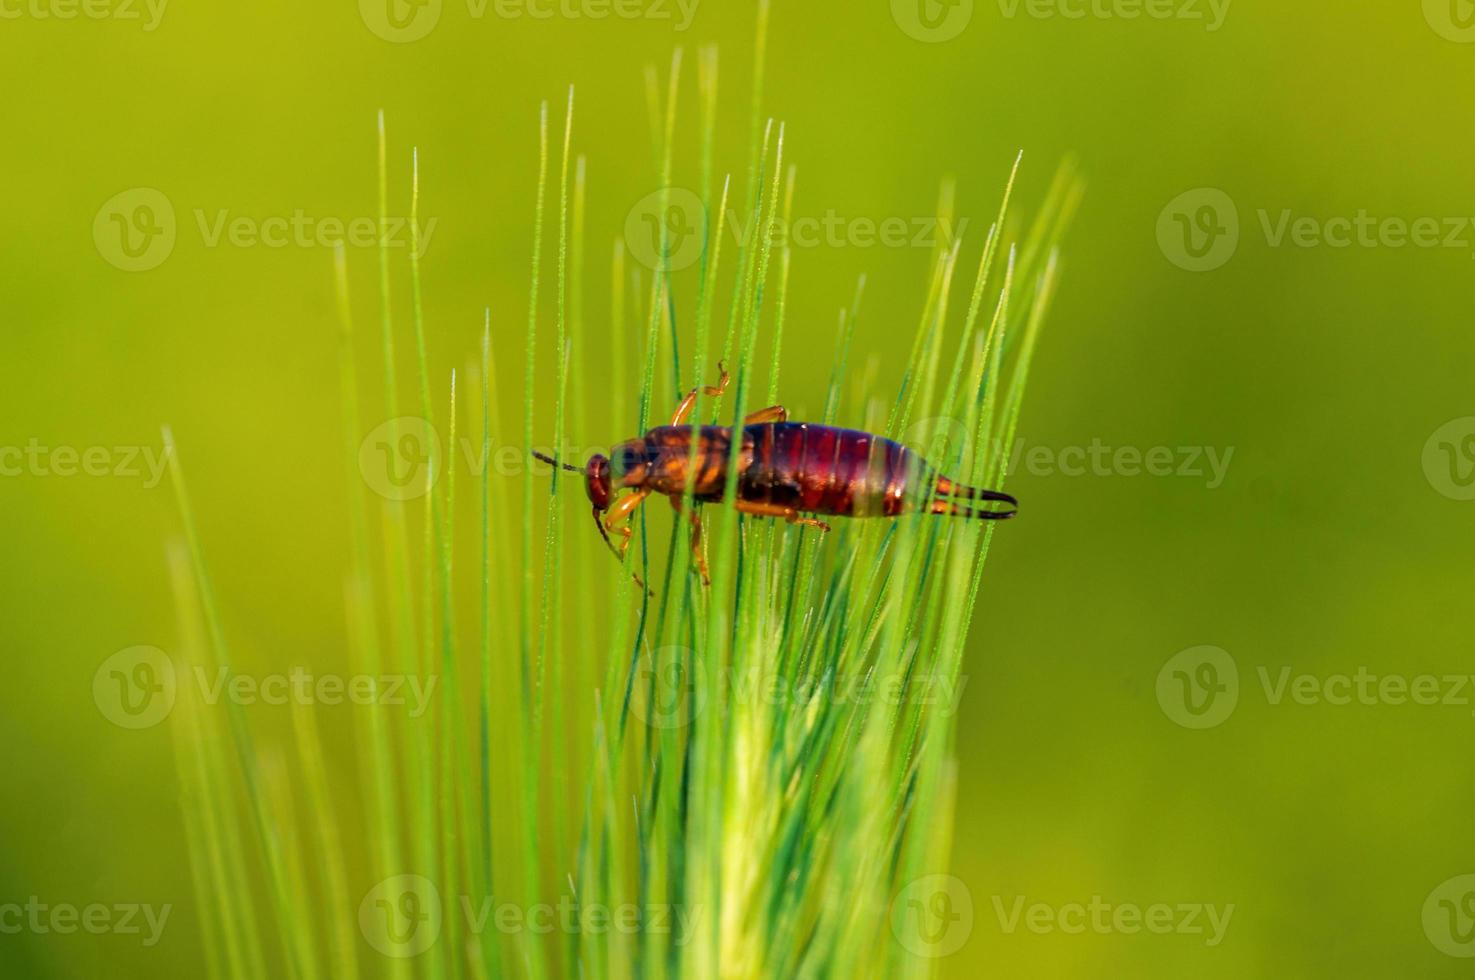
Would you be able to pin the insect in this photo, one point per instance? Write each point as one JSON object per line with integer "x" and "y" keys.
{"x": 785, "y": 469}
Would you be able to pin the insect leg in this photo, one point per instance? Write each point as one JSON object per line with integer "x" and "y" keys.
{"x": 696, "y": 540}
{"x": 621, "y": 511}
{"x": 773, "y": 413}
{"x": 777, "y": 510}
{"x": 689, "y": 402}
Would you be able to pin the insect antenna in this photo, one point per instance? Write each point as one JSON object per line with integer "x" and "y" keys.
{"x": 553, "y": 462}
{"x": 597, "y": 522}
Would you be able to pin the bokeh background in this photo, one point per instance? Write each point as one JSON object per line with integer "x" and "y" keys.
{"x": 1337, "y": 538}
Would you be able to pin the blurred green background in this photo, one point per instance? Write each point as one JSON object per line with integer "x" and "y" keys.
{"x": 1336, "y": 540}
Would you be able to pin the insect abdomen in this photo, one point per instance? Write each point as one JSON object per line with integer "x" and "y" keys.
{"x": 806, "y": 468}
{"x": 819, "y": 469}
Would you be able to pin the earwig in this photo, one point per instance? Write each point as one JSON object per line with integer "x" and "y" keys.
{"x": 785, "y": 469}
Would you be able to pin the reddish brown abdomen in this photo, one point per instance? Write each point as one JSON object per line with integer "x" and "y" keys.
{"x": 819, "y": 469}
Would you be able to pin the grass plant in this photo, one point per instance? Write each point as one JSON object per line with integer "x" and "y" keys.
{"x": 751, "y": 767}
